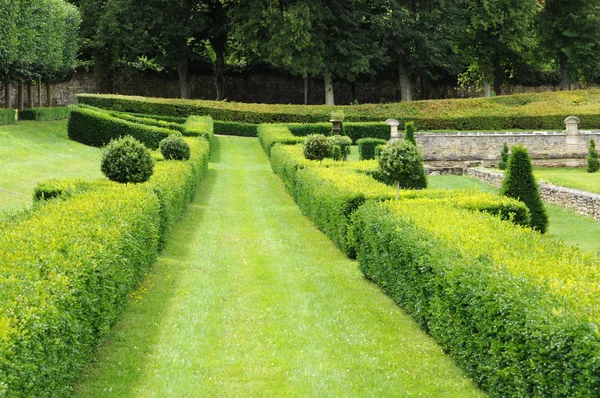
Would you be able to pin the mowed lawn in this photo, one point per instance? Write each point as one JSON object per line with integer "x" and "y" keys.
{"x": 249, "y": 299}
{"x": 576, "y": 178}
{"x": 33, "y": 152}
{"x": 564, "y": 224}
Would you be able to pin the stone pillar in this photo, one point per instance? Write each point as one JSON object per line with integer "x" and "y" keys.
{"x": 572, "y": 124}
{"x": 394, "y": 134}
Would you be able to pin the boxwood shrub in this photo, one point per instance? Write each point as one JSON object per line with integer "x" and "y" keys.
{"x": 7, "y": 116}
{"x": 43, "y": 114}
{"x": 97, "y": 128}
{"x": 149, "y": 121}
{"x": 271, "y": 134}
{"x": 517, "y": 311}
{"x": 236, "y": 128}
{"x": 366, "y": 147}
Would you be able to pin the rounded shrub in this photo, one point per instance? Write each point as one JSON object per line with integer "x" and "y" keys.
{"x": 402, "y": 162}
{"x": 317, "y": 147}
{"x": 344, "y": 143}
{"x": 174, "y": 148}
{"x": 593, "y": 164}
{"x": 126, "y": 160}
{"x": 520, "y": 184}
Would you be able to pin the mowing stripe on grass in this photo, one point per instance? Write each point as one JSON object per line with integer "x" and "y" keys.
{"x": 250, "y": 299}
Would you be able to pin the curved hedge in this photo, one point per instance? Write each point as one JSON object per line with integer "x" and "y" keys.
{"x": 524, "y": 111}
{"x": 68, "y": 267}
{"x": 98, "y": 128}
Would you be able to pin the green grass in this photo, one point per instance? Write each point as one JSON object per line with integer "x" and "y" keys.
{"x": 564, "y": 224}
{"x": 250, "y": 299}
{"x": 32, "y": 152}
{"x": 576, "y": 178}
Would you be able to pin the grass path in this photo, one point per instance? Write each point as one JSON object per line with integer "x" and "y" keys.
{"x": 33, "y": 152}
{"x": 250, "y": 299}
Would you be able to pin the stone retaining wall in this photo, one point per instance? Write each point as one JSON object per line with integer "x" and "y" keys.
{"x": 585, "y": 203}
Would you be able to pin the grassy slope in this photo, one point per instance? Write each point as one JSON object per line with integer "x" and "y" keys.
{"x": 32, "y": 152}
{"x": 564, "y": 224}
{"x": 249, "y": 299}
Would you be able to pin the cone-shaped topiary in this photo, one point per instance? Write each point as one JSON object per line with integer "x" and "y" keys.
{"x": 503, "y": 157}
{"x": 593, "y": 164}
{"x": 317, "y": 147}
{"x": 402, "y": 162}
{"x": 409, "y": 132}
{"x": 174, "y": 148}
{"x": 520, "y": 184}
{"x": 126, "y": 160}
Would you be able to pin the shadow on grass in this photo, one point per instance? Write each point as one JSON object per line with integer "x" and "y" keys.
{"x": 119, "y": 365}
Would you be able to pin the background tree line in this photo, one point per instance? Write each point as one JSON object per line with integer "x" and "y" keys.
{"x": 486, "y": 43}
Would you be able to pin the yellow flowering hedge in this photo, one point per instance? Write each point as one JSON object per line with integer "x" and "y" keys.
{"x": 518, "y": 311}
{"x": 68, "y": 266}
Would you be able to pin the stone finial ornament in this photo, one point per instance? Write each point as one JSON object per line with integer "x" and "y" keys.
{"x": 394, "y": 134}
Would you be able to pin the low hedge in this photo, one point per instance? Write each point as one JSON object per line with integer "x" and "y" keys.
{"x": 271, "y": 134}
{"x": 68, "y": 266}
{"x": 305, "y": 129}
{"x": 44, "y": 114}
{"x": 199, "y": 126}
{"x": 366, "y": 147}
{"x": 97, "y": 128}
{"x": 7, "y": 116}
{"x": 517, "y": 311}
{"x": 149, "y": 121}
{"x": 360, "y": 130}
{"x": 236, "y": 128}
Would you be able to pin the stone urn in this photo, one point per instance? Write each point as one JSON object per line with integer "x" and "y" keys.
{"x": 336, "y": 125}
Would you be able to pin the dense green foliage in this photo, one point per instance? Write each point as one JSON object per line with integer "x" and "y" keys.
{"x": 98, "y": 128}
{"x": 45, "y": 114}
{"x": 7, "y": 116}
{"x": 126, "y": 160}
{"x": 366, "y": 147}
{"x": 504, "y": 155}
{"x": 409, "y": 132}
{"x": 593, "y": 164}
{"x": 75, "y": 277}
{"x": 344, "y": 143}
{"x": 317, "y": 147}
{"x": 235, "y": 128}
{"x": 199, "y": 126}
{"x": 402, "y": 163}
{"x": 269, "y": 135}
{"x": 174, "y": 148}
{"x": 520, "y": 184}
{"x": 490, "y": 293}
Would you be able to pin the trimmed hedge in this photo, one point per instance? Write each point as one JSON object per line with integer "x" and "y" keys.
{"x": 199, "y": 126}
{"x": 366, "y": 147}
{"x": 44, "y": 114}
{"x": 7, "y": 116}
{"x": 68, "y": 267}
{"x": 149, "y": 121}
{"x": 236, "y": 128}
{"x": 306, "y": 129}
{"x": 517, "y": 311}
{"x": 271, "y": 134}
{"x": 97, "y": 128}
{"x": 523, "y": 111}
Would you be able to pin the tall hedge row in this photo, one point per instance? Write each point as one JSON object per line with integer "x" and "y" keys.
{"x": 97, "y": 128}
{"x": 517, "y": 311}
{"x": 7, "y": 116}
{"x": 527, "y": 111}
{"x": 67, "y": 268}
{"x": 45, "y": 114}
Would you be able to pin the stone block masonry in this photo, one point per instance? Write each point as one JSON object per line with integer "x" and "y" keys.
{"x": 585, "y": 203}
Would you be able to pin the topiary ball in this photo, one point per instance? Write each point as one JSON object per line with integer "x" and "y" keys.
{"x": 317, "y": 147}
{"x": 175, "y": 148}
{"x": 126, "y": 160}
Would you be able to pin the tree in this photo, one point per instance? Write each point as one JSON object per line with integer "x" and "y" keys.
{"x": 498, "y": 32}
{"x": 593, "y": 164}
{"x": 569, "y": 32}
{"x": 520, "y": 184}
{"x": 402, "y": 162}
{"x": 9, "y": 47}
{"x": 503, "y": 163}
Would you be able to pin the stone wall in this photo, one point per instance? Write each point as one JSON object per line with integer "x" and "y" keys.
{"x": 585, "y": 203}
{"x": 548, "y": 148}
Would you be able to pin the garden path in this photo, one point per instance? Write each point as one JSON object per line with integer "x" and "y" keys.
{"x": 250, "y": 299}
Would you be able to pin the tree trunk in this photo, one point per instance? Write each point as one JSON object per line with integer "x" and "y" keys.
{"x": 397, "y": 189}
{"x": 7, "y": 93}
{"x": 39, "y": 92}
{"x": 306, "y": 89}
{"x": 487, "y": 88}
{"x": 498, "y": 76}
{"x": 565, "y": 83}
{"x": 353, "y": 92}
{"x": 424, "y": 80}
{"x": 218, "y": 44}
{"x": 21, "y": 96}
{"x": 30, "y": 101}
{"x": 404, "y": 77}
{"x": 329, "y": 99}
{"x": 48, "y": 94}
{"x": 184, "y": 79}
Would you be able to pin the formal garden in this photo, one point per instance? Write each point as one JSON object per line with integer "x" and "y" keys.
{"x": 180, "y": 247}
